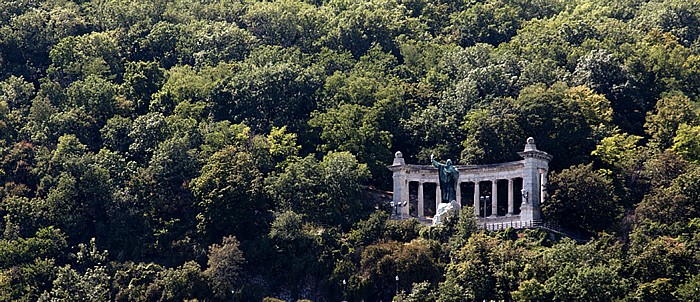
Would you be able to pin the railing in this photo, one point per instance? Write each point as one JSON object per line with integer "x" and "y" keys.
{"x": 545, "y": 225}
{"x": 516, "y": 224}
{"x": 556, "y": 228}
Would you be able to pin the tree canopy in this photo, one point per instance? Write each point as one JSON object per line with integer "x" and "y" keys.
{"x": 218, "y": 149}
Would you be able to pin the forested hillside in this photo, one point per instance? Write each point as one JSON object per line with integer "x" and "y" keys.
{"x": 170, "y": 150}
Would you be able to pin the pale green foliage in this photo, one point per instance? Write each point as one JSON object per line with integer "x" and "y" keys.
{"x": 689, "y": 291}
{"x": 687, "y": 142}
{"x": 184, "y": 83}
{"x": 596, "y": 108}
{"x": 47, "y": 243}
{"x": 75, "y": 58}
{"x": 530, "y": 291}
{"x": 484, "y": 268}
{"x": 418, "y": 293}
{"x": 617, "y": 149}
{"x": 354, "y": 129}
{"x": 665, "y": 120}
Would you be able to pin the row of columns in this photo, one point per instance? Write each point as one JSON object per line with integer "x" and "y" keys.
{"x": 532, "y": 169}
{"x": 477, "y": 195}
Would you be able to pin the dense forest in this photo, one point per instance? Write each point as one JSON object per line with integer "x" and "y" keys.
{"x": 210, "y": 150}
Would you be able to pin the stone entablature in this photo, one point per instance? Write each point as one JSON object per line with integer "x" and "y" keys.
{"x": 530, "y": 173}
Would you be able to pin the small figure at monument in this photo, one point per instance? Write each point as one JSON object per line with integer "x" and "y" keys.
{"x": 448, "y": 179}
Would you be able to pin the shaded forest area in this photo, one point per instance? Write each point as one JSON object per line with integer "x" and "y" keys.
{"x": 218, "y": 149}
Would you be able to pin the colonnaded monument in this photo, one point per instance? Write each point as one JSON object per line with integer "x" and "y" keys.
{"x": 502, "y": 195}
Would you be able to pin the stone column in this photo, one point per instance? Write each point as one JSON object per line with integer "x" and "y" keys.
{"x": 494, "y": 198}
{"x": 511, "y": 208}
{"x": 534, "y": 160}
{"x": 400, "y": 181}
{"x": 543, "y": 183}
{"x": 438, "y": 196}
{"x": 406, "y": 209}
{"x": 458, "y": 198}
{"x": 476, "y": 198}
{"x": 421, "y": 206}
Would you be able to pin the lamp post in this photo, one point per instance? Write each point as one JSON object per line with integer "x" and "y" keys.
{"x": 233, "y": 295}
{"x": 484, "y": 200}
{"x": 482, "y": 204}
{"x": 344, "y": 290}
{"x": 487, "y": 201}
{"x": 397, "y": 284}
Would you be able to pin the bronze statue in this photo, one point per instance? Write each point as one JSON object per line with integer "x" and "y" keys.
{"x": 448, "y": 179}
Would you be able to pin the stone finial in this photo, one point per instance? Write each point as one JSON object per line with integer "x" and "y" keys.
{"x": 532, "y": 152}
{"x": 530, "y": 145}
{"x": 398, "y": 159}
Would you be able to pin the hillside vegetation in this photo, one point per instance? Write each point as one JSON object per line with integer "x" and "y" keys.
{"x": 170, "y": 150}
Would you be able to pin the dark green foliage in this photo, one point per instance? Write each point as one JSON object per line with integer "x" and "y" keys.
{"x": 229, "y": 194}
{"x": 328, "y": 192}
{"x": 582, "y": 198}
{"x": 141, "y": 140}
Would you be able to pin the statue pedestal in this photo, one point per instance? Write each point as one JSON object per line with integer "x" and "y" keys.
{"x": 529, "y": 213}
{"x": 444, "y": 208}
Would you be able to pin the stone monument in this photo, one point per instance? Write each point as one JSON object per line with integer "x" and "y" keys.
{"x": 523, "y": 183}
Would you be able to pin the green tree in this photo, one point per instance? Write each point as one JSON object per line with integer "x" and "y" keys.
{"x": 676, "y": 203}
{"x": 585, "y": 272}
{"x": 380, "y": 263}
{"x": 484, "y": 268}
{"x": 162, "y": 191}
{"x": 295, "y": 252}
{"x": 146, "y": 132}
{"x": 141, "y": 81}
{"x": 115, "y": 134}
{"x": 76, "y": 57}
{"x": 185, "y": 83}
{"x": 582, "y": 199}
{"x": 561, "y": 123}
{"x": 327, "y": 192}
{"x": 354, "y": 129}
{"x": 688, "y": 291}
{"x": 184, "y": 282}
{"x": 286, "y": 23}
{"x": 670, "y": 112}
{"x": 359, "y": 25}
{"x": 96, "y": 96}
{"x": 274, "y": 87}
{"x": 494, "y": 135}
{"x": 229, "y": 196}
{"x": 491, "y": 22}
{"x": 224, "y": 266}
{"x": 687, "y": 142}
